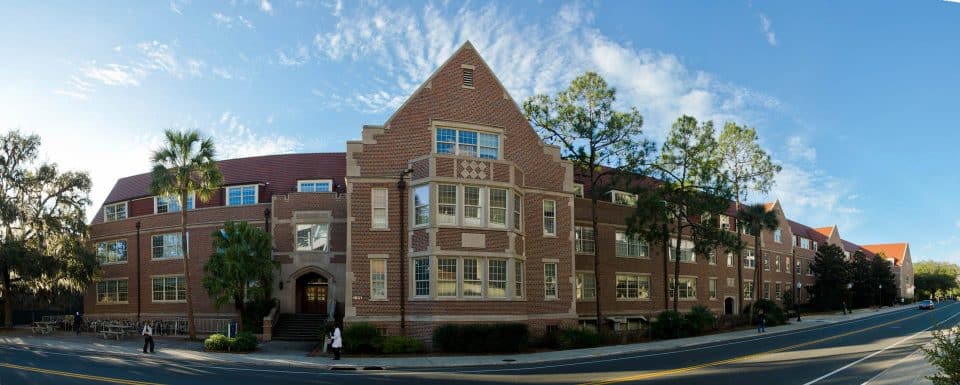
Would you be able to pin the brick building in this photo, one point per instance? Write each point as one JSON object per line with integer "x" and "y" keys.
{"x": 451, "y": 211}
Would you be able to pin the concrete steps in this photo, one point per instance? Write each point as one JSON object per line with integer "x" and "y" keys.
{"x": 300, "y": 327}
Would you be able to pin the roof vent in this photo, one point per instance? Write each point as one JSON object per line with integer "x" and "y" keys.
{"x": 468, "y": 77}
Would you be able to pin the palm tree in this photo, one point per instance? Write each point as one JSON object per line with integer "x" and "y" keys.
{"x": 185, "y": 165}
{"x": 242, "y": 255}
{"x": 758, "y": 218}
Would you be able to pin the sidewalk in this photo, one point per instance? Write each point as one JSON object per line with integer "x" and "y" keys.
{"x": 294, "y": 354}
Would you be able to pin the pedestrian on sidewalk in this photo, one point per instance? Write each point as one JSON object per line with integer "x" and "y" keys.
{"x": 761, "y": 319}
{"x": 844, "y": 307}
{"x": 336, "y": 342}
{"x": 77, "y": 322}
{"x": 147, "y": 337}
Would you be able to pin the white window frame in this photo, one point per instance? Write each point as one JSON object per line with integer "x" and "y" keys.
{"x": 443, "y": 280}
{"x": 116, "y": 212}
{"x": 686, "y": 248}
{"x": 730, "y": 261}
{"x": 416, "y": 279}
{"x": 766, "y": 262}
{"x": 749, "y": 259}
{"x": 687, "y": 292}
{"x": 552, "y": 219}
{"x": 766, "y": 289}
{"x": 724, "y": 222}
{"x": 164, "y": 246}
{"x": 153, "y": 287}
{"x": 749, "y": 289}
{"x": 382, "y": 206}
{"x": 104, "y": 257}
{"x": 777, "y": 263}
{"x": 256, "y": 194}
{"x": 804, "y": 243}
{"x": 551, "y": 285}
{"x": 476, "y": 221}
{"x": 316, "y": 184}
{"x": 517, "y": 211}
{"x": 443, "y": 218}
{"x": 625, "y": 245}
{"x": 778, "y": 290}
{"x": 578, "y": 190}
{"x": 424, "y": 206}
{"x": 312, "y": 239}
{"x": 712, "y": 291}
{"x": 814, "y": 246}
{"x": 477, "y": 280}
{"x": 778, "y": 236}
{"x": 378, "y": 285}
{"x": 518, "y": 273}
{"x": 457, "y": 144}
{"x": 586, "y": 283}
{"x": 157, "y": 199}
{"x": 498, "y": 209}
{"x": 585, "y": 240}
{"x": 115, "y": 289}
{"x": 495, "y": 284}
{"x": 642, "y": 284}
{"x": 622, "y": 198}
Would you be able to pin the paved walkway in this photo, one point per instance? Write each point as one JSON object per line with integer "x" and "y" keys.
{"x": 295, "y": 353}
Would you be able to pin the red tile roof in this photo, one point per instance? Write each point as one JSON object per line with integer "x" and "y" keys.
{"x": 897, "y": 251}
{"x": 824, "y": 230}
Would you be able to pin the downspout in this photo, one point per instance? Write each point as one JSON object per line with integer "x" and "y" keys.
{"x": 139, "y": 283}
{"x": 402, "y": 186}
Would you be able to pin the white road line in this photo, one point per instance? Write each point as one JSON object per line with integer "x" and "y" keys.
{"x": 895, "y": 364}
{"x": 878, "y": 351}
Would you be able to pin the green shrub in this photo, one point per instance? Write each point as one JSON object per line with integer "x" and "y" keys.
{"x": 577, "y": 338}
{"x": 401, "y": 345}
{"x": 245, "y": 342}
{"x": 669, "y": 324}
{"x": 774, "y": 314}
{"x": 362, "y": 337}
{"x": 481, "y": 338}
{"x": 700, "y": 319}
{"x": 944, "y": 354}
{"x": 217, "y": 342}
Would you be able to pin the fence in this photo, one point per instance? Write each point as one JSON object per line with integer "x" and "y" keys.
{"x": 168, "y": 326}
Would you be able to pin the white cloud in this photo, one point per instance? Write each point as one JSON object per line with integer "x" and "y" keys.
{"x": 300, "y": 57}
{"x": 177, "y": 6}
{"x": 234, "y": 139}
{"x": 767, "y": 26}
{"x": 957, "y": 223}
{"x": 265, "y": 6}
{"x": 815, "y": 198}
{"x": 228, "y": 22}
{"x": 528, "y": 57}
{"x": 799, "y": 149}
{"x": 114, "y": 74}
{"x": 222, "y": 73}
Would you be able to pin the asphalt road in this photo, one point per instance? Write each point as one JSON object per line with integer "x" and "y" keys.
{"x": 850, "y": 352}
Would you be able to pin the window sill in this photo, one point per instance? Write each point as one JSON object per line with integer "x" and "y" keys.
{"x": 167, "y": 259}
{"x": 633, "y": 299}
{"x": 378, "y": 300}
{"x": 587, "y": 299}
{"x": 180, "y": 301}
{"x": 113, "y": 303}
{"x": 380, "y": 229}
{"x": 632, "y": 257}
{"x": 549, "y": 235}
{"x": 113, "y": 263}
{"x": 586, "y": 253}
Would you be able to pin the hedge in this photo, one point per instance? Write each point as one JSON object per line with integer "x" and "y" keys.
{"x": 362, "y": 337}
{"x": 401, "y": 345}
{"x": 482, "y": 338}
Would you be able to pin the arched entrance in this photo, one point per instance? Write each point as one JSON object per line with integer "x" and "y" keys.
{"x": 312, "y": 294}
{"x": 728, "y": 306}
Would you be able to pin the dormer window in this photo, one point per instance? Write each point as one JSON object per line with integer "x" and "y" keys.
{"x": 314, "y": 185}
{"x": 170, "y": 204}
{"x": 804, "y": 243}
{"x": 725, "y": 222}
{"x": 115, "y": 212}
{"x": 468, "y": 143}
{"x": 242, "y": 195}
{"x": 623, "y": 198}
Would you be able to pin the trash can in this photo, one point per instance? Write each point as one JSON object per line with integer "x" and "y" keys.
{"x": 232, "y": 329}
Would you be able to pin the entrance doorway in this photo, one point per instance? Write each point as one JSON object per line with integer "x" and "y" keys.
{"x": 312, "y": 289}
{"x": 728, "y": 306}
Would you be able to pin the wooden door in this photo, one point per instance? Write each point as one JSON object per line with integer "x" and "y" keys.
{"x": 314, "y": 299}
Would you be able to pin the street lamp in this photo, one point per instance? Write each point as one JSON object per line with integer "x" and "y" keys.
{"x": 880, "y": 297}
{"x": 797, "y": 301}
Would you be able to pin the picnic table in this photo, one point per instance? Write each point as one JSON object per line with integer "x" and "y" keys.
{"x": 42, "y": 327}
{"x": 117, "y": 331}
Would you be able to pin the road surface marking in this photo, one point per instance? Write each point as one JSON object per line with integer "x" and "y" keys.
{"x": 646, "y": 376}
{"x": 76, "y": 375}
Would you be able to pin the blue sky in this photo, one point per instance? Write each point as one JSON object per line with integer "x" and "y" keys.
{"x": 857, "y": 100}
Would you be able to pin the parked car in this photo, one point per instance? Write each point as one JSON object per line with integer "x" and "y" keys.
{"x": 926, "y": 304}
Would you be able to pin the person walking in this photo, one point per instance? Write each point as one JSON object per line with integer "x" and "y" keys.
{"x": 761, "y": 320}
{"x": 77, "y": 322}
{"x": 147, "y": 337}
{"x": 336, "y": 342}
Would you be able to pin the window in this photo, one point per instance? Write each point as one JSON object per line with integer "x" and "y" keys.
{"x": 749, "y": 260}
{"x": 804, "y": 243}
{"x": 319, "y": 185}
{"x": 778, "y": 290}
{"x": 468, "y": 143}
{"x": 777, "y": 263}
{"x": 549, "y": 217}
{"x": 550, "y": 280}
{"x": 729, "y": 259}
{"x": 518, "y": 279}
{"x": 725, "y": 222}
{"x": 846, "y": 254}
{"x": 747, "y": 289}
{"x": 498, "y": 208}
{"x": 631, "y": 246}
{"x": 115, "y": 212}
{"x": 731, "y": 282}
{"x": 421, "y": 205}
{"x": 586, "y": 286}
{"x": 623, "y": 198}
{"x": 517, "y": 218}
{"x": 446, "y": 277}
{"x": 170, "y": 204}
{"x": 585, "y": 243}
{"x": 172, "y": 288}
{"x": 633, "y": 286}
{"x": 578, "y": 190}
{"x": 472, "y": 277}
{"x": 112, "y": 252}
{"x": 712, "y": 257}
{"x": 112, "y": 291}
{"x": 378, "y": 279}
{"x": 378, "y": 200}
{"x": 242, "y": 195}
{"x": 777, "y": 236}
{"x": 815, "y": 245}
{"x": 766, "y": 290}
{"x": 687, "y": 287}
{"x": 686, "y": 251}
{"x": 471, "y": 206}
{"x": 167, "y": 246}
{"x": 797, "y": 268}
{"x": 766, "y": 263}
{"x": 446, "y": 204}
{"x": 712, "y": 288}
{"x": 313, "y": 237}
{"x": 421, "y": 277}
{"x": 810, "y": 268}
{"x": 496, "y": 278}
{"x": 786, "y": 264}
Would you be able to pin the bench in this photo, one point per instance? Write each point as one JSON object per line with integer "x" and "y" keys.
{"x": 107, "y": 333}
{"x": 41, "y": 329}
